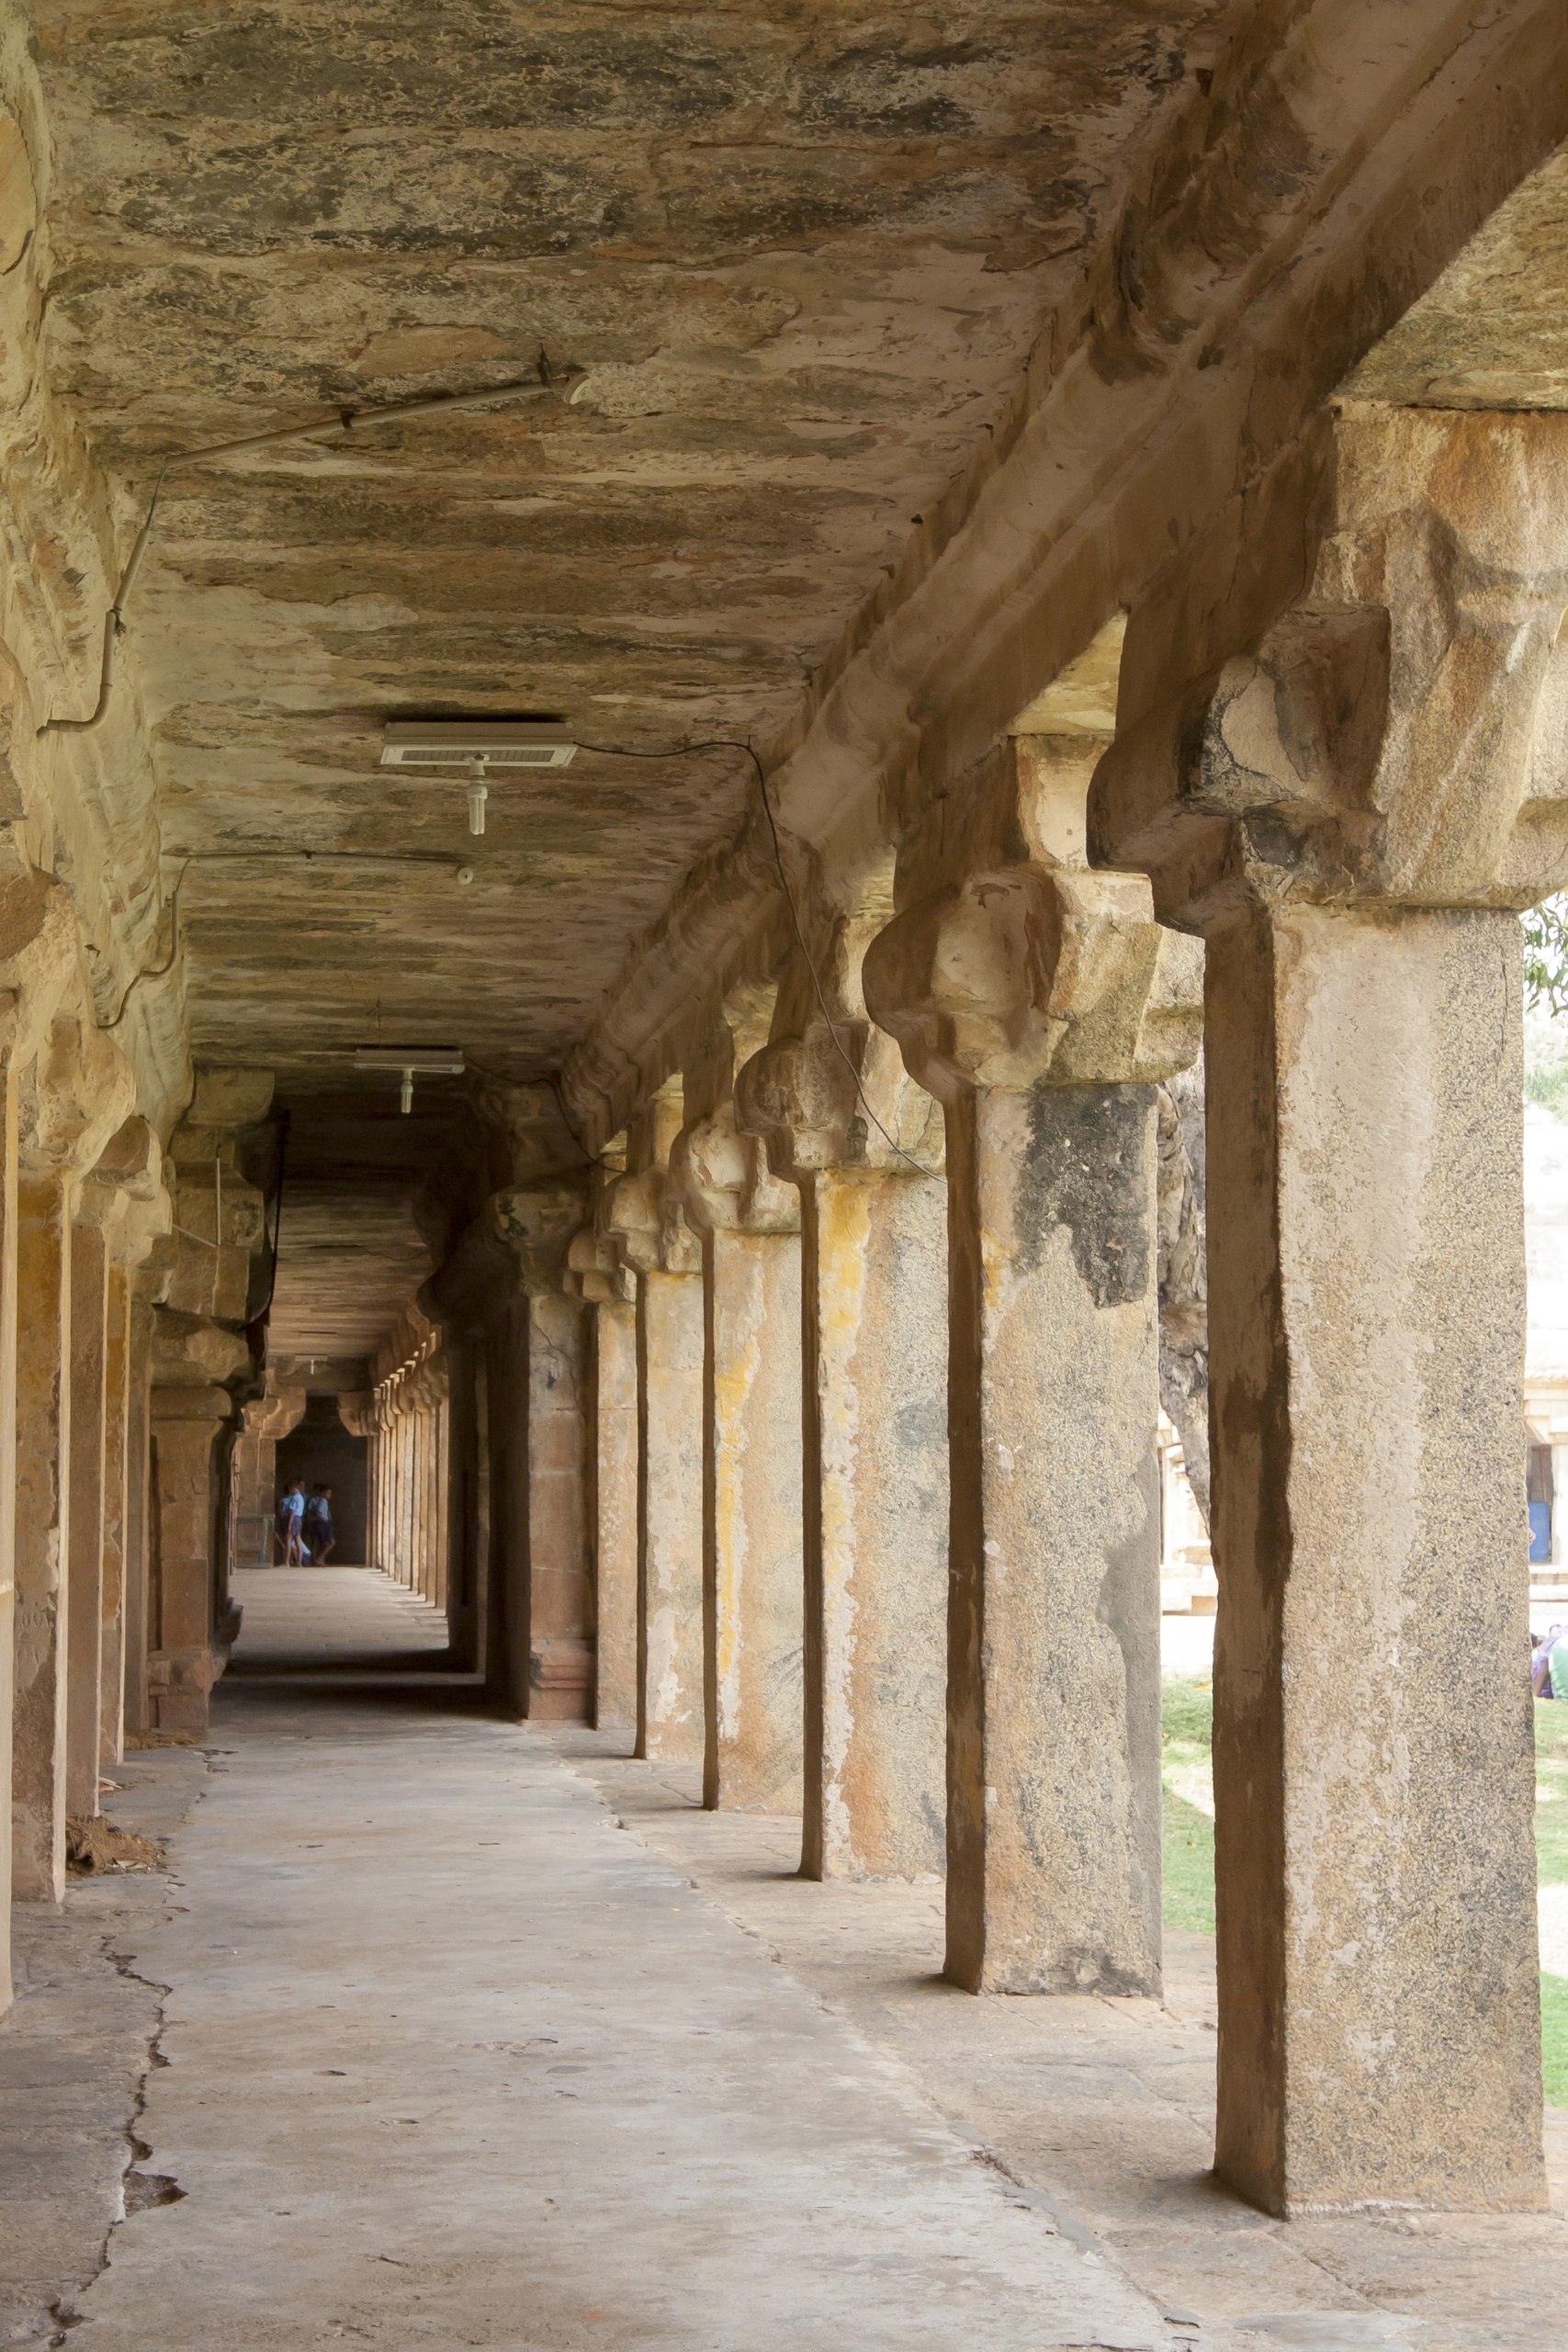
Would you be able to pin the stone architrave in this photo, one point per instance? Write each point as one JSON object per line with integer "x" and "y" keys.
{"x": 1350, "y": 813}
{"x": 654, "y": 1240}
{"x": 753, "y": 1592}
{"x": 874, "y": 1456}
{"x": 1041, "y": 1003}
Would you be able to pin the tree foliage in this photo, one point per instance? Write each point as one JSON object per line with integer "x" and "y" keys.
{"x": 1546, "y": 954}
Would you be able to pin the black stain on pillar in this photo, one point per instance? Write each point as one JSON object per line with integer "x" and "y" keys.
{"x": 1087, "y": 1168}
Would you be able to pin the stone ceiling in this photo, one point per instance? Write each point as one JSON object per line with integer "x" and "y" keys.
{"x": 780, "y": 268}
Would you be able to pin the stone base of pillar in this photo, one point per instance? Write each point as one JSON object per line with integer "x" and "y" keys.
{"x": 179, "y": 1687}
{"x": 560, "y": 1681}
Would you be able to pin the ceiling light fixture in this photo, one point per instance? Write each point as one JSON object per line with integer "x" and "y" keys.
{"x": 478, "y": 745}
{"x": 435, "y": 1061}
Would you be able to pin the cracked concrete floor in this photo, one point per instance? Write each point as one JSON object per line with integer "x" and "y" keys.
{"x": 453, "y": 2060}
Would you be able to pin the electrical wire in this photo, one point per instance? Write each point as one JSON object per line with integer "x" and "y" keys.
{"x": 347, "y": 419}
{"x": 230, "y": 856}
{"x": 734, "y": 743}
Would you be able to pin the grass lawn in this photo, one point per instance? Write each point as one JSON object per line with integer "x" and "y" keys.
{"x": 1188, "y": 1713}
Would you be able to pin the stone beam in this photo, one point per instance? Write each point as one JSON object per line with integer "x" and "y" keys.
{"x": 1170, "y": 398}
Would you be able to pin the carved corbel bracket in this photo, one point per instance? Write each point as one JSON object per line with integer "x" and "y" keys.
{"x": 124, "y": 1194}
{"x": 650, "y": 1233}
{"x": 594, "y": 1271}
{"x": 1400, "y": 736}
{"x": 721, "y": 1181}
{"x": 1027, "y": 974}
{"x": 799, "y": 1095}
{"x": 78, "y": 1090}
{"x": 538, "y": 1226}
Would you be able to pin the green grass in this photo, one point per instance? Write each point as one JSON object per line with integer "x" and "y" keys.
{"x": 1187, "y": 1714}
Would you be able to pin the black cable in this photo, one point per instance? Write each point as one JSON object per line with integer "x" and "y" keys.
{"x": 228, "y": 857}
{"x": 733, "y": 743}
{"x": 276, "y": 1217}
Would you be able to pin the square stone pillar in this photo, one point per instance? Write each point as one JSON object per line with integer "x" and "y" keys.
{"x": 117, "y": 1490}
{"x": 874, "y": 1449}
{"x": 560, "y": 1665}
{"x": 1033, "y": 1000}
{"x": 614, "y": 1514}
{"x": 185, "y": 1423}
{"x": 655, "y": 1241}
{"x": 1374, "y": 1765}
{"x": 1349, "y": 809}
{"x": 43, "y": 1534}
{"x": 137, "y": 1512}
{"x": 754, "y": 1590}
{"x": 8, "y": 1275}
{"x": 89, "y": 1401}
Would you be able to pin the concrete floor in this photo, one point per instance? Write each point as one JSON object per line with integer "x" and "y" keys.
{"x": 453, "y": 2053}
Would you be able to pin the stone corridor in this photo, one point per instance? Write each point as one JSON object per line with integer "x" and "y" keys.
{"x": 771, "y": 788}
{"x": 471, "y": 2035}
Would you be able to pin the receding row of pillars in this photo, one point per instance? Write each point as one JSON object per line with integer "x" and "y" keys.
{"x": 409, "y": 1519}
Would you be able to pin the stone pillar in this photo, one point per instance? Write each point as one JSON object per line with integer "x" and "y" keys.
{"x": 874, "y": 1281}
{"x": 753, "y": 1592}
{"x": 78, "y": 1092}
{"x": 187, "y": 1662}
{"x": 655, "y": 1243}
{"x": 43, "y": 1534}
{"x": 1349, "y": 811}
{"x": 117, "y": 1487}
{"x": 548, "y": 1613}
{"x": 1041, "y": 1003}
{"x": 88, "y": 1373}
{"x": 40, "y": 955}
{"x": 615, "y": 1514}
{"x": 137, "y": 1511}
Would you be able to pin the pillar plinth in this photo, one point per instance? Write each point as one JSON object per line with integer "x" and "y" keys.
{"x": 1350, "y": 810}
{"x": 1040, "y": 1006}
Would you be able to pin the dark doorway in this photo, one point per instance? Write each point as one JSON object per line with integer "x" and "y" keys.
{"x": 321, "y": 1452}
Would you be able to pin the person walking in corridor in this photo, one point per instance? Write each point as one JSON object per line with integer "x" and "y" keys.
{"x": 291, "y": 1519}
{"x": 319, "y": 1536}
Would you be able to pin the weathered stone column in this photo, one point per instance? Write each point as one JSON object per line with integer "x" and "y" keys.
{"x": 656, "y": 1242}
{"x": 874, "y": 1283}
{"x": 1349, "y": 812}
{"x": 138, "y": 1509}
{"x": 185, "y": 1663}
{"x": 552, "y": 1659}
{"x": 78, "y": 1091}
{"x": 1041, "y": 1003}
{"x": 87, "y": 1372}
{"x": 753, "y": 1591}
{"x": 204, "y": 1274}
{"x": 609, "y": 1289}
{"x": 43, "y": 1534}
{"x": 613, "y": 1505}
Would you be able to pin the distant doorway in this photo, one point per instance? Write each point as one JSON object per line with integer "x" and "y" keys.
{"x": 321, "y": 1452}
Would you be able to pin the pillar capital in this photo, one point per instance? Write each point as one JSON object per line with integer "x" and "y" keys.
{"x": 1397, "y": 737}
{"x": 124, "y": 1194}
{"x": 720, "y": 1178}
{"x": 77, "y": 1091}
{"x": 1026, "y": 973}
